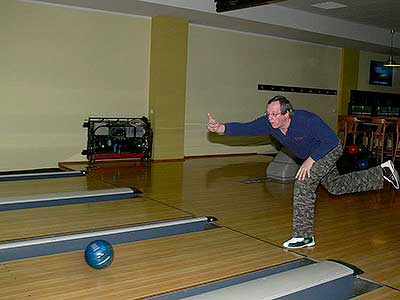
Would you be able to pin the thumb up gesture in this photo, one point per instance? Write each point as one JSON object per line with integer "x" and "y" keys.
{"x": 214, "y": 125}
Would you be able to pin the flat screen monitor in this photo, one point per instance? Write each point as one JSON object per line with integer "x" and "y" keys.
{"x": 379, "y": 74}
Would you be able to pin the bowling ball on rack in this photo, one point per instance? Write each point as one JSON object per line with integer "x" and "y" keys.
{"x": 362, "y": 148}
{"x": 362, "y": 164}
{"x": 353, "y": 149}
{"x": 99, "y": 254}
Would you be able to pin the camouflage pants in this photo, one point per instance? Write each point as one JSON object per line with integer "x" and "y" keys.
{"x": 324, "y": 171}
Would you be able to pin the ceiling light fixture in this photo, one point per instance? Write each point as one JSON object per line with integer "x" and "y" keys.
{"x": 329, "y": 5}
{"x": 390, "y": 62}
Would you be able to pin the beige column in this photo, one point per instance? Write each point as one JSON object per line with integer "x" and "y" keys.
{"x": 348, "y": 77}
{"x": 167, "y": 88}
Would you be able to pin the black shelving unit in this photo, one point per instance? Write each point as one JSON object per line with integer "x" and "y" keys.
{"x": 365, "y": 103}
{"x": 118, "y": 138}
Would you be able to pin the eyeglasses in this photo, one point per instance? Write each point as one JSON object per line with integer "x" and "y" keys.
{"x": 272, "y": 114}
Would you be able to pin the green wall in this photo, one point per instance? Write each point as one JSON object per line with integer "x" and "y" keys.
{"x": 59, "y": 66}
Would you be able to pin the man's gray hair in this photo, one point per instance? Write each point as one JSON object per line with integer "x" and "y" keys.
{"x": 285, "y": 104}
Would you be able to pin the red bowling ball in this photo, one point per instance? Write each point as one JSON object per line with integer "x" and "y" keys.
{"x": 353, "y": 149}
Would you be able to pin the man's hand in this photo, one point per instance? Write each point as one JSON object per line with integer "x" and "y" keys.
{"x": 305, "y": 169}
{"x": 214, "y": 125}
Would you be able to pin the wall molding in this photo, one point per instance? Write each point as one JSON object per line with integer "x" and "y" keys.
{"x": 295, "y": 89}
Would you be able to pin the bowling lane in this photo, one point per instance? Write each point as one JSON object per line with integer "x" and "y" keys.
{"x": 36, "y": 222}
{"x": 54, "y": 185}
{"x": 140, "y": 269}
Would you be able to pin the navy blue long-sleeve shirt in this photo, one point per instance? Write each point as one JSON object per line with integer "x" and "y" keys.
{"x": 307, "y": 136}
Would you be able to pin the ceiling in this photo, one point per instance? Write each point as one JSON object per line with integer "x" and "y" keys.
{"x": 379, "y": 13}
{"x": 363, "y": 24}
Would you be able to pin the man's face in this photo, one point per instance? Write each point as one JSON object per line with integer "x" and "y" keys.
{"x": 276, "y": 119}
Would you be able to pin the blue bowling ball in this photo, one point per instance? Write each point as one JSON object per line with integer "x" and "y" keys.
{"x": 99, "y": 254}
{"x": 362, "y": 164}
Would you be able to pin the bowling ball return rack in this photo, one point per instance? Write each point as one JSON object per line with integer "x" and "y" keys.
{"x": 118, "y": 138}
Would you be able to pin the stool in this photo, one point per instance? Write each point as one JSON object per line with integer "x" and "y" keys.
{"x": 349, "y": 125}
{"x": 379, "y": 138}
{"x": 397, "y": 139}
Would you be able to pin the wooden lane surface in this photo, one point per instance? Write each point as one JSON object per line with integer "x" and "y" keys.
{"x": 120, "y": 173}
{"x": 54, "y": 185}
{"x": 361, "y": 228}
{"x": 140, "y": 269}
{"x": 384, "y": 293}
{"x": 213, "y": 186}
{"x": 35, "y": 222}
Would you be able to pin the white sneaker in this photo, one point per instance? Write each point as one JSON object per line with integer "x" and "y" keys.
{"x": 294, "y": 243}
{"x": 390, "y": 174}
